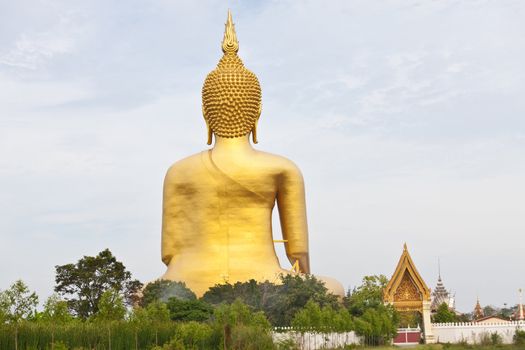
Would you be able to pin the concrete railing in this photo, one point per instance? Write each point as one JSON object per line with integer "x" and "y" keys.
{"x": 475, "y": 332}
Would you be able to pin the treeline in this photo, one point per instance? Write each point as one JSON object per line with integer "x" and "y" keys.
{"x": 98, "y": 305}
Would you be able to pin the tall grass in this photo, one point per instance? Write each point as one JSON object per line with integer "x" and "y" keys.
{"x": 78, "y": 335}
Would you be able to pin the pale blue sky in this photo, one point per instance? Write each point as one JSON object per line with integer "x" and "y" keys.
{"x": 406, "y": 118}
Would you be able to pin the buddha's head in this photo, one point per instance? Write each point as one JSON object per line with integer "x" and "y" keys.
{"x": 231, "y": 95}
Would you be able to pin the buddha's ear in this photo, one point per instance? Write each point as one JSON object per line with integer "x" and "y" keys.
{"x": 254, "y": 130}
{"x": 208, "y": 129}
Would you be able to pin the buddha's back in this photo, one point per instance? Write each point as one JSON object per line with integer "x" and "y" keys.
{"x": 218, "y": 213}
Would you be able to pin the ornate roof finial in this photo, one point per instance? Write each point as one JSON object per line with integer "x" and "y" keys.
{"x": 521, "y": 312}
{"x": 230, "y": 45}
{"x": 439, "y": 269}
{"x": 405, "y": 246}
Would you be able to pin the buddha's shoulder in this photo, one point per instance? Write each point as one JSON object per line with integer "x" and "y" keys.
{"x": 185, "y": 166}
{"x": 277, "y": 162}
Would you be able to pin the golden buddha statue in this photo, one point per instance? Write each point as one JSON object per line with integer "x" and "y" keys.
{"x": 217, "y": 210}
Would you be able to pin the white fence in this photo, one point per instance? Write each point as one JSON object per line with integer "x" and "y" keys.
{"x": 474, "y": 333}
{"x": 308, "y": 340}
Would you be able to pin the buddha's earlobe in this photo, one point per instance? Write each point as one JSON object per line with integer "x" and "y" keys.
{"x": 254, "y": 132}
{"x": 208, "y": 129}
{"x": 210, "y": 134}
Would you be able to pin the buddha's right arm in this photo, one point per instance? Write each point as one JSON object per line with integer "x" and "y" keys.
{"x": 292, "y": 213}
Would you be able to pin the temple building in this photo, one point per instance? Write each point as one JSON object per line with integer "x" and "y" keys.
{"x": 478, "y": 311}
{"x": 441, "y": 295}
{"x": 407, "y": 292}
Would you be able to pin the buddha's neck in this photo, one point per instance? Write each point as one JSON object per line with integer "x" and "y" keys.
{"x": 228, "y": 146}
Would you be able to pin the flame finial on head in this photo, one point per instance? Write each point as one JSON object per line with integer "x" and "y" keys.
{"x": 230, "y": 43}
{"x": 231, "y": 95}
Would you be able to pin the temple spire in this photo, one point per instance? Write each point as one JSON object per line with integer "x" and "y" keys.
{"x": 521, "y": 312}
{"x": 439, "y": 269}
{"x": 230, "y": 44}
{"x": 478, "y": 311}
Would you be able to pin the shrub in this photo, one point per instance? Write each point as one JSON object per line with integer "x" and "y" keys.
{"x": 250, "y": 338}
{"x": 519, "y": 337}
{"x": 287, "y": 344}
{"x": 195, "y": 335}
{"x": 496, "y": 339}
{"x": 484, "y": 339}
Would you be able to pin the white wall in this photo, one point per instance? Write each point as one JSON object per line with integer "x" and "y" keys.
{"x": 313, "y": 341}
{"x": 472, "y": 333}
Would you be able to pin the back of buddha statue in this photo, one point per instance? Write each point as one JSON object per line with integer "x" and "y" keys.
{"x": 217, "y": 211}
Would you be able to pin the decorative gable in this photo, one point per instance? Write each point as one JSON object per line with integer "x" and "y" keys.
{"x": 406, "y": 290}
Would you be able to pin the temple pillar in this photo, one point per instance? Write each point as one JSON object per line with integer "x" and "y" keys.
{"x": 427, "y": 325}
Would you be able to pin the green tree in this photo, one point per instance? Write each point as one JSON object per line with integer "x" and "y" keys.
{"x": 162, "y": 290}
{"x": 325, "y": 319}
{"x": 242, "y": 328}
{"x": 519, "y": 337}
{"x": 196, "y": 335}
{"x": 293, "y": 294}
{"x": 83, "y": 284}
{"x": 110, "y": 307}
{"x": 372, "y": 318}
{"x": 189, "y": 310}
{"x": 443, "y": 314}
{"x": 308, "y": 317}
{"x": 249, "y": 292}
{"x": 279, "y": 302}
{"x": 56, "y": 310}
{"x": 489, "y": 310}
{"x": 368, "y": 295}
{"x": 18, "y": 302}
{"x": 155, "y": 312}
{"x": 3, "y": 308}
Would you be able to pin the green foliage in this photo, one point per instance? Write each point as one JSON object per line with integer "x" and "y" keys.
{"x": 162, "y": 290}
{"x": 288, "y": 344}
{"x": 238, "y": 313}
{"x": 173, "y": 344}
{"x": 443, "y": 314}
{"x": 110, "y": 307}
{"x": 293, "y": 295}
{"x": 279, "y": 302}
{"x": 87, "y": 335}
{"x": 83, "y": 283}
{"x": 373, "y": 319}
{"x": 378, "y": 325}
{"x": 251, "y": 293}
{"x": 489, "y": 310}
{"x": 245, "y": 337}
{"x": 195, "y": 335}
{"x": 17, "y": 303}
{"x": 60, "y": 346}
{"x": 496, "y": 338}
{"x": 155, "y": 312}
{"x": 368, "y": 295}
{"x": 189, "y": 310}
{"x": 519, "y": 337}
{"x": 242, "y": 328}
{"x": 326, "y": 319}
{"x": 56, "y": 311}
{"x": 410, "y": 319}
